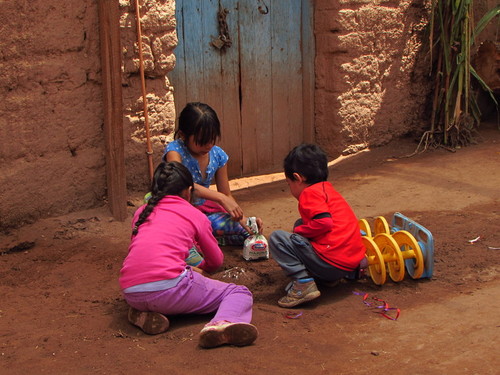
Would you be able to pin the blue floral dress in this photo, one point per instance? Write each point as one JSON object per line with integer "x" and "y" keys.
{"x": 226, "y": 230}
{"x": 217, "y": 159}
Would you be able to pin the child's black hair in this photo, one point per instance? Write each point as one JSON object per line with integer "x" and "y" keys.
{"x": 169, "y": 179}
{"x": 200, "y": 120}
{"x": 308, "y": 160}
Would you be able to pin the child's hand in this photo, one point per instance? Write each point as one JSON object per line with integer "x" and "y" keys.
{"x": 232, "y": 208}
{"x": 243, "y": 223}
{"x": 260, "y": 225}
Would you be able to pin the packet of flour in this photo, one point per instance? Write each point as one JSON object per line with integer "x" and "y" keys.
{"x": 255, "y": 246}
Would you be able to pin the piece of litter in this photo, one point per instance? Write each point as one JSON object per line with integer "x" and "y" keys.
{"x": 234, "y": 272}
{"x": 493, "y": 248}
{"x": 382, "y": 305}
{"x": 475, "y": 239}
{"x": 292, "y": 315}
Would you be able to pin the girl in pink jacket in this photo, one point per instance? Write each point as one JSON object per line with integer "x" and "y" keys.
{"x": 155, "y": 279}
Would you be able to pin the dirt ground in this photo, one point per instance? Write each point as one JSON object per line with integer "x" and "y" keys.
{"x": 61, "y": 311}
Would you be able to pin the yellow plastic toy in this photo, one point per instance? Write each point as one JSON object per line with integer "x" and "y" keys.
{"x": 389, "y": 252}
{"x": 410, "y": 250}
{"x": 365, "y": 228}
{"x": 380, "y": 225}
{"x": 392, "y": 256}
{"x": 376, "y": 263}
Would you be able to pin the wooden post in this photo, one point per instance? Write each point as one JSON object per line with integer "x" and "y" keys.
{"x": 149, "y": 151}
{"x": 109, "y": 30}
{"x": 308, "y": 53}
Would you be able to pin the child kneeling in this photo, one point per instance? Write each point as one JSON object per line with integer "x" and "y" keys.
{"x": 155, "y": 279}
{"x": 326, "y": 241}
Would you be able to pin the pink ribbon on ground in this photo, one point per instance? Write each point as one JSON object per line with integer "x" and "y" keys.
{"x": 384, "y": 306}
{"x": 292, "y": 315}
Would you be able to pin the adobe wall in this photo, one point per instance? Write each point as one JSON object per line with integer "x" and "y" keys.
{"x": 52, "y": 151}
{"x": 372, "y": 70}
{"x": 51, "y": 154}
{"x": 370, "y": 85}
{"x": 159, "y": 40}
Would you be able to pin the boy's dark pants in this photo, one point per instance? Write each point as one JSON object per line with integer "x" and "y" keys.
{"x": 298, "y": 259}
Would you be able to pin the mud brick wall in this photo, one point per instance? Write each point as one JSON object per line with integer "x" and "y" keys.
{"x": 159, "y": 40}
{"x": 369, "y": 84}
{"x": 52, "y": 151}
{"x": 51, "y": 146}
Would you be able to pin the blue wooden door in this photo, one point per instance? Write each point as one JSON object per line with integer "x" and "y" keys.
{"x": 260, "y": 81}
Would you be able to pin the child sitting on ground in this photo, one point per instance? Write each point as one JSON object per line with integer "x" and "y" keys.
{"x": 155, "y": 279}
{"x": 326, "y": 241}
{"x": 194, "y": 146}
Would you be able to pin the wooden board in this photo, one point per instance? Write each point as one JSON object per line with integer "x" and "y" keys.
{"x": 261, "y": 86}
{"x": 109, "y": 29}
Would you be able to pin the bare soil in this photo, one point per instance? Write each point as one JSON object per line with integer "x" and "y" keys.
{"x": 61, "y": 310}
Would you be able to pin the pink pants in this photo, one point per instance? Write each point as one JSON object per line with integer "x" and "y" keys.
{"x": 197, "y": 294}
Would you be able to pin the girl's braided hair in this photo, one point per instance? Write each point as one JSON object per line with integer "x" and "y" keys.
{"x": 169, "y": 179}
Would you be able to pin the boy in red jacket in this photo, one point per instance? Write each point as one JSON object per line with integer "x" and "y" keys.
{"x": 326, "y": 241}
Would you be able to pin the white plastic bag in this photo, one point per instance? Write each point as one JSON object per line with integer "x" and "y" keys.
{"x": 255, "y": 246}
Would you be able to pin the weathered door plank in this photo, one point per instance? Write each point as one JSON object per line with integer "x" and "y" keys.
{"x": 230, "y": 90}
{"x": 287, "y": 81}
{"x": 256, "y": 88}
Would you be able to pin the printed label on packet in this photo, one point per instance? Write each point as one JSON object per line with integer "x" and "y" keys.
{"x": 255, "y": 246}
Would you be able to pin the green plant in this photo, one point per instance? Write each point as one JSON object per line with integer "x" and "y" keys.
{"x": 455, "y": 112}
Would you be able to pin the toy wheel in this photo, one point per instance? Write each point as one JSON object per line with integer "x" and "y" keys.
{"x": 412, "y": 253}
{"x": 380, "y": 225}
{"x": 376, "y": 264}
{"x": 392, "y": 256}
{"x": 365, "y": 228}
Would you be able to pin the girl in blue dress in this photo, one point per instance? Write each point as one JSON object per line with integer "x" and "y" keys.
{"x": 194, "y": 146}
